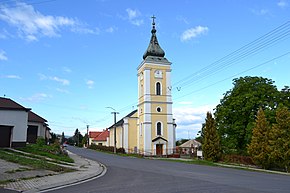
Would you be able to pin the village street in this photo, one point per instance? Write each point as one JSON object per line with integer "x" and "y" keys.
{"x": 127, "y": 174}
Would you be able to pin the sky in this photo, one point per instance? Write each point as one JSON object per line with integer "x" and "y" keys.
{"x": 70, "y": 60}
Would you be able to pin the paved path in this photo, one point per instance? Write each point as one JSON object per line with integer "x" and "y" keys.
{"x": 87, "y": 169}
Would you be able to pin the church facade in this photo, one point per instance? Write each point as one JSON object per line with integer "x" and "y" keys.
{"x": 150, "y": 129}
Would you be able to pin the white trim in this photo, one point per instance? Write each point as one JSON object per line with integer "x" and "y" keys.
{"x": 126, "y": 133}
{"x": 147, "y": 138}
{"x": 168, "y": 85}
{"x": 146, "y": 81}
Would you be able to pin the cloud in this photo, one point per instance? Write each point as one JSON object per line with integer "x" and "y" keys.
{"x": 282, "y": 4}
{"x": 193, "y": 33}
{"x": 3, "y": 55}
{"x": 133, "y": 17}
{"x": 36, "y": 97}
{"x": 260, "y": 12}
{"x": 64, "y": 82}
{"x": 12, "y": 76}
{"x": 90, "y": 84}
{"x": 62, "y": 90}
{"x": 66, "y": 69}
{"x": 189, "y": 119}
{"x": 31, "y": 24}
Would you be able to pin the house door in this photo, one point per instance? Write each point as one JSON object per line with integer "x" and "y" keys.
{"x": 32, "y": 134}
{"x": 159, "y": 149}
{"x": 5, "y": 136}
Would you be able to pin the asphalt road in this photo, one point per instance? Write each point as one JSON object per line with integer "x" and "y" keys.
{"x": 130, "y": 175}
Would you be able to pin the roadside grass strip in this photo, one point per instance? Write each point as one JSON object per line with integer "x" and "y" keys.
{"x": 32, "y": 162}
{"x": 47, "y": 151}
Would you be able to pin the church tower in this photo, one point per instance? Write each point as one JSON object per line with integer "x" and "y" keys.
{"x": 156, "y": 130}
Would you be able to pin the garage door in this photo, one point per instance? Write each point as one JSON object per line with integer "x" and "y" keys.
{"x": 5, "y": 136}
{"x": 32, "y": 134}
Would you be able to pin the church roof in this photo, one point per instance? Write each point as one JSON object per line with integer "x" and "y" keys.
{"x": 154, "y": 48}
{"x": 121, "y": 121}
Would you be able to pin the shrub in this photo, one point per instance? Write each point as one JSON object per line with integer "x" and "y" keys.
{"x": 40, "y": 141}
{"x": 106, "y": 148}
{"x": 238, "y": 159}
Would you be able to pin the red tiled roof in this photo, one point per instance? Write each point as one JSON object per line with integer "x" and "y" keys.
{"x": 99, "y": 135}
{"x": 94, "y": 134}
{"x": 8, "y": 104}
{"x": 32, "y": 117}
{"x": 103, "y": 136}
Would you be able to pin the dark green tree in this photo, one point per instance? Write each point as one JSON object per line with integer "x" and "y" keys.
{"x": 235, "y": 115}
{"x": 200, "y": 134}
{"x": 280, "y": 139}
{"x": 259, "y": 148}
{"x": 62, "y": 138}
{"x": 78, "y": 137}
{"x": 211, "y": 141}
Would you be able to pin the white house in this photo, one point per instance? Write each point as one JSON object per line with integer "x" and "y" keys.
{"x": 13, "y": 123}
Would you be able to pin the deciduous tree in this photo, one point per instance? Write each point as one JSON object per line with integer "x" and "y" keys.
{"x": 235, "y": 115}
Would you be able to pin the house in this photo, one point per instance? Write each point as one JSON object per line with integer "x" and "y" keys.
{"x": 99, "y": 137}
{"x": 37, "y": 127}
{"x": 13, "y": 123}
{"x": 149, "y": 130}
{"x": 19, "y": 125}
{"x": 189, "y": 147}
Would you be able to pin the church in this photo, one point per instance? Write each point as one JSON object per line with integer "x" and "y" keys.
{"x": 149, "y": 130}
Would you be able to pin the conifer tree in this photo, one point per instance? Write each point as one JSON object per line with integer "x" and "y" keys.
{"x": 259, "y": 148}
{"x": 280, "y": 139}
{"x": 211, "y": 146}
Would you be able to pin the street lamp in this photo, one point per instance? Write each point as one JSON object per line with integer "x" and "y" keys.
{"x": 115, "y": 113}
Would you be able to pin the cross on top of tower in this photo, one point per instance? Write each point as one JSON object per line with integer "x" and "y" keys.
{"x": 153, "y": 20}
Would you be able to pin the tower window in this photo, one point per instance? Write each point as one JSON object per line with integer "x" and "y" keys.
{"x": 158, "y": 109}
{"x": 159, "y": 128}
{"x": 158, "y": 88}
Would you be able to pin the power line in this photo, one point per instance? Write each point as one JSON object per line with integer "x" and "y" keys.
{"x": 250, "y": 49}
{"x": 268, "y": 61}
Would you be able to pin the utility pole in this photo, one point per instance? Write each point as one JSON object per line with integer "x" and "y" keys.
{"x": 115, "y": 135}
{"x": 88, "y": 139}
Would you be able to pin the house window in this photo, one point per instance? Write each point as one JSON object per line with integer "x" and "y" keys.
{"x": 158, "y": 88}
{"x": 159, "y": 128}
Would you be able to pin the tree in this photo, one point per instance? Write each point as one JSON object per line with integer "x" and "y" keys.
{"x": 259, "y": 148}
{"x": 62, "y": 138}
{"x": 211, "y": 145}
{"x": 280, "y": 139}
{"x": 77, "y": 137}
{"x": 235, "y": 115}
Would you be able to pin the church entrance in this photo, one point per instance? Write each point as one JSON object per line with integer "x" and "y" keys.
{"x": 159, "y": 149}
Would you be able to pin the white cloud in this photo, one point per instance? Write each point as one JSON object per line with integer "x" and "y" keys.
{"x": 60, "y": 80}
{"x": 189, "y": 119}
{"x": 282, "y": 4}
{"x": 36, "y": 97}
{"x": 66, "y": 69}
{"x": 64, "y": 82}
{"x": 193, "y": 33}
{"x": 62, "y": 90}
{"x": 260, "y": 12}
{"x": 90, "y": 84}
{"x": 133, "y": 17}
{"x": 3, "y": 55}
{"x": 12, "y": 76}
{"x": 31, "y": 24}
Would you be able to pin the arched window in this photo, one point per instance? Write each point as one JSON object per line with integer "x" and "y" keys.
{"x": 158, "y": 88}
{"x": 158, "y": 128}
